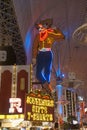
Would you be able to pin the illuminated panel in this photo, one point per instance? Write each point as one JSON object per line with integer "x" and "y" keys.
{"x": 15, "y": 116}
{"x": 3, "y": 55}
{"x": 39, "y": 108}
{"x": 15, "y": 105}
{"x": 85, "y": 109}
{"x": 60, "y": 106}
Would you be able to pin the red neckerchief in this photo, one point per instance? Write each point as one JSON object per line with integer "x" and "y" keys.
{"x": 44, "y": 34}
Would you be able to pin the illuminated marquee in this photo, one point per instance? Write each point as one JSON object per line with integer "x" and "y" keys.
{"x": 39, "y": 108}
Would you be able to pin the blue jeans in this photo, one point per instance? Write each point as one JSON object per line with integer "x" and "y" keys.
{"x": 44, "y": 66}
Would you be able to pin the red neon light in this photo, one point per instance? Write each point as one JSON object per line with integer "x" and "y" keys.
{"x": 44, "y": 34}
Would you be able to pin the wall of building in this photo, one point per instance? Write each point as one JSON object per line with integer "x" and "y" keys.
{"x": 14, "y": 83}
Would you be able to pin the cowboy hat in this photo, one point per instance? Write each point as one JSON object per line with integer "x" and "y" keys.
{"x": 47, "y": 23}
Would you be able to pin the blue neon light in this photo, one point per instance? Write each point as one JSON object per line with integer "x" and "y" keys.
{"x": 28, "y": 46}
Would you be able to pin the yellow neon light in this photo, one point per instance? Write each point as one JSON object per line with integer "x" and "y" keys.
{"x": 41, "y": 117}
{"x": 39, "y": 109}
{"x": 59, "y": 34}
{"x": 17, "y": 116}
{"x": 38, "y": 101}
{"x": 2, "y": 116}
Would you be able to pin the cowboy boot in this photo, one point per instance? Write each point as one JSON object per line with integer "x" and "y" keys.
{"x": 54, "y": 96}
{"x": 46, "y": 87}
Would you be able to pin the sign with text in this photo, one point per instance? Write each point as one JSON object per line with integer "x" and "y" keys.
{"x": 39, "y": 107}
{"x": 15, "y": 105}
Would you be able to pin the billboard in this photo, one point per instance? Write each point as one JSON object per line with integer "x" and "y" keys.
{"x": 39, "y": 107}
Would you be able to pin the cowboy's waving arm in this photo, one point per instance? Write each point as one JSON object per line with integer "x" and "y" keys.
{"x": 57, "y": 34}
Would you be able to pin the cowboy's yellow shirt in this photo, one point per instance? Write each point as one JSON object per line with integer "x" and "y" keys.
{"x": 47, "y": 43}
